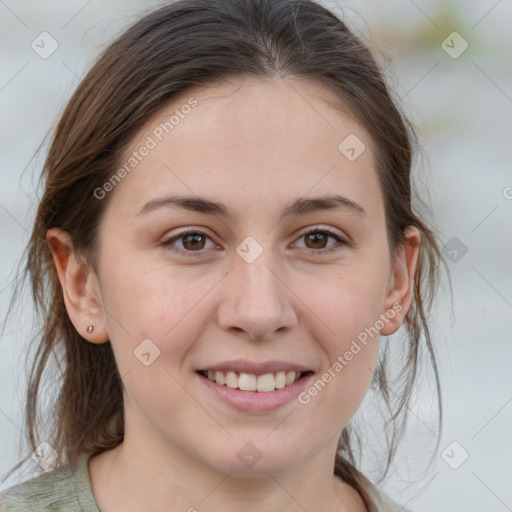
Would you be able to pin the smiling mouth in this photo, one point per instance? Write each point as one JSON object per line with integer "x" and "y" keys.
{"x": 250, "y": 382}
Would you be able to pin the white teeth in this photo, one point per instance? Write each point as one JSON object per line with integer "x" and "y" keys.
{"x": 280, "y": 380}
{"x": 247, "y": 382}
{"x": 231, "y": 380}
{"x": 266, "y": 383}
{"x": 250, "y": 382}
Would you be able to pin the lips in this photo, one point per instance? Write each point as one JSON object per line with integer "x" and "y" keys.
{"x": 269, "y": 397}
{"x": 249, "y": 376}
{"x": 244, "y": 366}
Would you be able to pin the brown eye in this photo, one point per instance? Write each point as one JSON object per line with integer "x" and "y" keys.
{"x": 191, "y": 241}
{"x": 317, "y": 240}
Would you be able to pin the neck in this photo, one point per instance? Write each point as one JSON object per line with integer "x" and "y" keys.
{"x": 135, "y": 477}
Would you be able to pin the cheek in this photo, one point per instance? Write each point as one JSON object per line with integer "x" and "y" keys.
{"x": 346, "y": 303}
{"x": 152, "y": 318}
{"x": 149, "y": 295}
{"x": 148, "y": 301}
{"x": 348, "y": 309}
{"x": 336, "y": 392}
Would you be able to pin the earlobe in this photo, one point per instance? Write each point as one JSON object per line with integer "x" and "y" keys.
{"x": 79, "y": 287}
{"x": 401, "y": 284}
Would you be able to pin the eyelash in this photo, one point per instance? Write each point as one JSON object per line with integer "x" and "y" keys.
{"x": 336, "y": 247}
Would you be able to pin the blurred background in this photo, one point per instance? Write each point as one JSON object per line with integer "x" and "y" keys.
{"x": 449, "y": 64}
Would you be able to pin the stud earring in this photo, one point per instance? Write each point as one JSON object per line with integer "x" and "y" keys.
{"x": 89, "y": 329}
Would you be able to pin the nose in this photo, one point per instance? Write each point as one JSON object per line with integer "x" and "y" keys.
{"x": 256, "y": 299}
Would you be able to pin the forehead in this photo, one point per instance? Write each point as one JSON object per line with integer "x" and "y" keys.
{"x": 235, "y": 115}
{"x": 249, "y": 140}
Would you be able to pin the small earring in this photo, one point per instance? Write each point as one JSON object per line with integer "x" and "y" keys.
{"x": 89, "y": 329}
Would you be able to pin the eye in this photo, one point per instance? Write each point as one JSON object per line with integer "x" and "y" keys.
{"x": 317, "y": 238}
{"x": 192, "y": 241}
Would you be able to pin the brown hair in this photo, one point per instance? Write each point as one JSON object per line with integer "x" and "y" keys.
{"x": 183, "y": 44}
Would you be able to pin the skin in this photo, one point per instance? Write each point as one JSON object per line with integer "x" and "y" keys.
{"x": 254, "y": 146}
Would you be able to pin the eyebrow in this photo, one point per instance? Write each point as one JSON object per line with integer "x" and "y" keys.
{"x": 300, "y": 206}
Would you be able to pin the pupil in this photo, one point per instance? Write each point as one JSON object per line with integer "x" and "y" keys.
{"x": 195, "y": 239}
{"x": 316, "y": 237}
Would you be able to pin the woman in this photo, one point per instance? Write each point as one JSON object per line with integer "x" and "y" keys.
{"x": 226, "y": 231}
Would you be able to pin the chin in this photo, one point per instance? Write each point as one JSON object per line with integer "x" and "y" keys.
{"x": 253, "y": 459}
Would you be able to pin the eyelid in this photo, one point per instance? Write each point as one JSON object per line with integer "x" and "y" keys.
{"x": 325, "y": 229}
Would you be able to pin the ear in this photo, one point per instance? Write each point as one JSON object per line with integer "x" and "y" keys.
{"x": 401, "y": 283}
{"x": 79, "y": 287}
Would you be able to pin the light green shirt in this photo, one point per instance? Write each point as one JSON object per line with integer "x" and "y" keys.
{"x": 65, "y": 489}
{"x": 69, "y": 489}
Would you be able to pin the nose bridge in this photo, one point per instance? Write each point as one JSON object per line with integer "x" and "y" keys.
{"x": 257, "y": 300}
{"x": 260, "y": 284}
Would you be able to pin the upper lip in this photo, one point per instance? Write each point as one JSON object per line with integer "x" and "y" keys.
{"x": 243, "y": 366}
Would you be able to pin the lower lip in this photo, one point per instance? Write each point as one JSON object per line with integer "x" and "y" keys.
{"x": 254, "y": 401}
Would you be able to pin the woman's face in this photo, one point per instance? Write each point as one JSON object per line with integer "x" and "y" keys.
{"x": 244, "y": 167}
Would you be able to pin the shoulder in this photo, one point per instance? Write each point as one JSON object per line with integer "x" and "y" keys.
{"x": 381, "y": 502}
{"x": 63, "y": 489}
